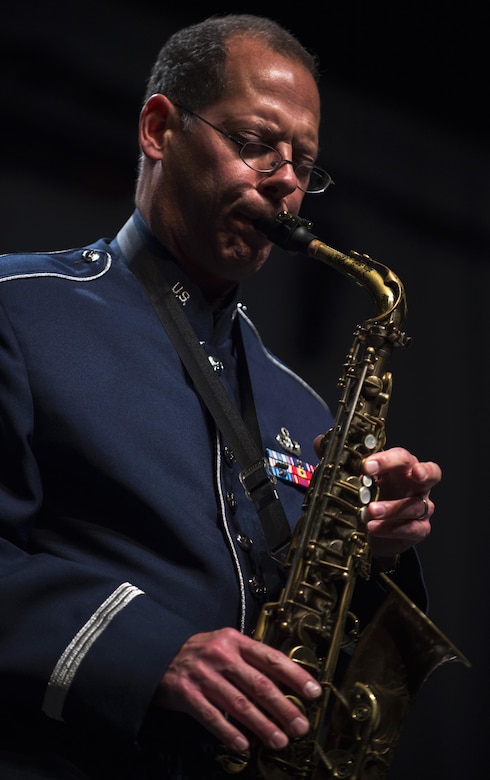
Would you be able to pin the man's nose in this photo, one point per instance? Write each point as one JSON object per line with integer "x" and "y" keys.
{"x": 282, "y": 177}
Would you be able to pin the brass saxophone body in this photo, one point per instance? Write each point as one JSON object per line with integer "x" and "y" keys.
{"x": 356, "y": 723}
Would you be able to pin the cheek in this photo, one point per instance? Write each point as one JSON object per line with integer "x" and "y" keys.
{"x": 228, "y": 172}
{"x": 227, "y": 179}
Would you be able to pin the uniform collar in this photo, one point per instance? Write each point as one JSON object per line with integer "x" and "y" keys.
{"x": 212, "y": 327}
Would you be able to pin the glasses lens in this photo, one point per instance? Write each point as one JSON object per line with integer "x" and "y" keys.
{"x": 312, "y": 179}
{"x": 260, "y": 157}
{"x": 265, "y": 159}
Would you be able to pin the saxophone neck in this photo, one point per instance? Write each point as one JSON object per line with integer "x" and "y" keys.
{"x": 383, "y": 285}
{"x": 294, "y": 234}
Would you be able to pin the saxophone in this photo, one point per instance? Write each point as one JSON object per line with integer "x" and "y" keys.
{"x": 356, "y": 723}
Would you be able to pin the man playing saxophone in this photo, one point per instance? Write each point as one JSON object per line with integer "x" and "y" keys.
{"x": 133, "y": 564}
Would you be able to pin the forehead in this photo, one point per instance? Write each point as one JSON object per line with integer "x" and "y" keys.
{"x": 266, "y": 81}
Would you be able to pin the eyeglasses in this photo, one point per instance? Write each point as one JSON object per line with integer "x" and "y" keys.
{"x": 265, "y": 159}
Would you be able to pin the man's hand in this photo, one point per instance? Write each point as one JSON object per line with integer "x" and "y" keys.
{"x": 401, "y": 516}
{"x": 226, "y": 672}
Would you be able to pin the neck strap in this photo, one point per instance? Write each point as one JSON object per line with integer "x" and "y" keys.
{"x": 254, "y": 476}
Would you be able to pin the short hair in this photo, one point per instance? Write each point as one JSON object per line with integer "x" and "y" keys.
{"x": 190, "y": 67}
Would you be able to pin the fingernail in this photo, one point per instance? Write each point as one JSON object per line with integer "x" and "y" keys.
{"x": 312, "y": 689}
{"x": 278, "y": 740}
{"x": 371, "y": 467}
{"x": 240, "y": 744}
{"x": 376, "y": 510}
{"x": 299, "y": 726}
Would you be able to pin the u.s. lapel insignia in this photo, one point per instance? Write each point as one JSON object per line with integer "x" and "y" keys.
{"x": 287, "y": 443}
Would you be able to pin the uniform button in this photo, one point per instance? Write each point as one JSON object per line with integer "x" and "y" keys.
{"x": 257, "y": 587}
{"x": 245, "y": 542}
{"x": 228, "y": 455}
{"x": 231, "y": 501}
{"x": 91, "y": 255}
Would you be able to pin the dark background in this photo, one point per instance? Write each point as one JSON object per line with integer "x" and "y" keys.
{"x": 405, "y": 137}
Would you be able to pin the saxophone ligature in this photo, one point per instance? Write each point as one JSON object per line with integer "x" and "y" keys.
{"x": 369, "y": 675}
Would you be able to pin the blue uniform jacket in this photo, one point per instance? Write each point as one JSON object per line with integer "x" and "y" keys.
{"x": 124, "y": 526}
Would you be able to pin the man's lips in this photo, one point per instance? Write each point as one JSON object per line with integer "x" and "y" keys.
{"x": 246, "y": 225}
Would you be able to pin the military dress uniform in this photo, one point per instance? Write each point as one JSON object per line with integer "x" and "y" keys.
{"x": 124, "y": 525}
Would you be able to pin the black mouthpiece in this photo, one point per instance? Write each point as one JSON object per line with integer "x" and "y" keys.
{"x": 288, "y": 232}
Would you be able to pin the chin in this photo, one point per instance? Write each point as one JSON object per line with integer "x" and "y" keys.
{"x": 252, "y": 253}
{"x": 246, "y": 263}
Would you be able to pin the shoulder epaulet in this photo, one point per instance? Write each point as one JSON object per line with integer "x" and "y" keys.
{"x": 72, "y": 264}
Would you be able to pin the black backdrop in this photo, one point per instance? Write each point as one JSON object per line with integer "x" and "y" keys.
{"x": 405, "y": 137}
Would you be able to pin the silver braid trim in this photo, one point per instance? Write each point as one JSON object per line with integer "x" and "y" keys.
{"x": 69, "y": 662}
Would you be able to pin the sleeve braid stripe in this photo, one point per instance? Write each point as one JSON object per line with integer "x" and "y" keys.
{"x": 69, "y": 662}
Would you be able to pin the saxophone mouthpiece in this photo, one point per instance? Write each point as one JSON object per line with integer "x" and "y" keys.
{"x": 287, "y": 231}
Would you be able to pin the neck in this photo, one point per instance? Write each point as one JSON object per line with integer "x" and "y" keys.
{"x": 216, "y": 291}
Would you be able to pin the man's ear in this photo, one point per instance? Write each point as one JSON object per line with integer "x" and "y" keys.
{"x": 154, "y": 121}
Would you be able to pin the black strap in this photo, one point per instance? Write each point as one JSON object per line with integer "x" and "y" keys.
{"x": 254, "y": 476}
